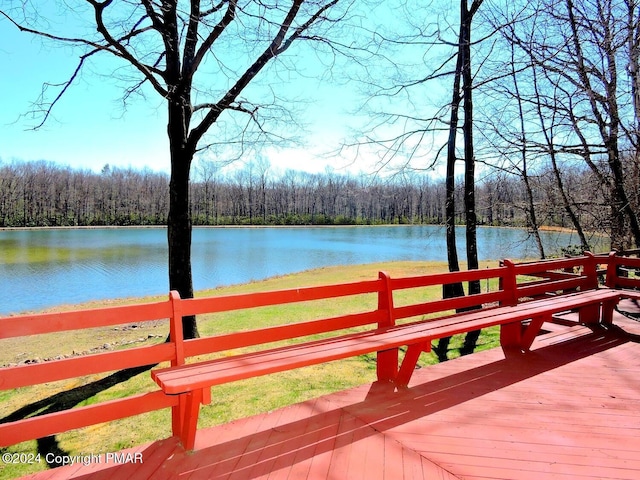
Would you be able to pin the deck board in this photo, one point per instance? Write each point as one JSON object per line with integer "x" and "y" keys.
{"x": 569, "y": 409}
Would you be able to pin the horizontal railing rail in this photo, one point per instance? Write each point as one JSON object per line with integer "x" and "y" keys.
{"x": 196, "y": 306}
{"x": 36, "y": 324}
{"x": 261, "y": 336}
{"x": 56, "y": 370}
{"x": 17, "y": 376}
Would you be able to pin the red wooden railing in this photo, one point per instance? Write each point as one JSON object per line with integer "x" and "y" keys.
{"x": 623, "y": 272}
{"x": 540, "y": 278}
{"x": 516, "y": 282}
{"x": 37, "y": 373}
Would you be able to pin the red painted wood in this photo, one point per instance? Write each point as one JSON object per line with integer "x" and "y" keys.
{"x": 230, "y": 341}
{"x": 615, "y": 266}
{"x": 509, "y": 283}
{"x": 260, "y": 299}
{"x": 175, "y": 328}
{"x": 531, "y": 331}
{"x": 531, "y": 268}
{"x": 215, "y": 372}
{"x": 443, "y": 305}
{"x": 630, "y": 294}
{"x": 555, "y": 277}
{"x": 37, "y": 427}
{"x": 447, "y": 277}
{"x": 387, "y": 360}
{"x": 21, "y": 325}
{"x": 630, "y": 283}
{"x": 189, "y": 423}
{"x": 551, "y": 286}
{"x": 51, "y": 371}
{"x": 409, "y": 362}
{"x": 511, "y": 338}
{"x": 612, "y": 270}
{"x": 591, "y": 271}
{"x": 32, "y": 374}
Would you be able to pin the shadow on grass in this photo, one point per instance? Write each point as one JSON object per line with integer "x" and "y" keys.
{"x": 65, "y": 401}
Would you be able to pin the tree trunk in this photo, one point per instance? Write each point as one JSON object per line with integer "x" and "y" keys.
{"x": 450, "y": 204}
{"x": 621, "y": 206}
{"x": 471, "y": 219}
{"x": 469, "y": 159}
{"x": 575, "y": 221}
{"x": 179, "y": 218}
{"x": 456, "y": 289}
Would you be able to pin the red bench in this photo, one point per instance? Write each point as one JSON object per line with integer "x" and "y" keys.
{"x": 520, "y": 322}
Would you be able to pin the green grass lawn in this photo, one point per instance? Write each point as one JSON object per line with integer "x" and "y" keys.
{"x": 230, "y": 401}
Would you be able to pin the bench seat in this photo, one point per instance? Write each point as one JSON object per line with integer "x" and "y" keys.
{"x": 631, "y": 294}
{"x": 194, "y": 380}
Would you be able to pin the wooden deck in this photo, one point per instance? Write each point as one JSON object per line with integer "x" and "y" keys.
{"x": 570, "y": 409}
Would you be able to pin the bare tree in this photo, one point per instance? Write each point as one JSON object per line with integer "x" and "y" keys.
{"x": 578, "y": 49}
{"x": 462, "y": 96}
{"x": 506, "y": 131}
{"x": 548, "y": 133}
{"x": 169, "y": 48}
{"x": 208, "y": 173}
{"x": 421, "y": 130}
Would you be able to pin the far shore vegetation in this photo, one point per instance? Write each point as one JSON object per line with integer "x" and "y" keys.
{"x": 45, "y": 194}
{"x": 229, "y": 402}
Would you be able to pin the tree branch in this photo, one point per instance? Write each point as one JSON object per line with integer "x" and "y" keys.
{"x": 278, "y": 45}
{"x": 194, "y": 63}
{"x": 117, "y": 46}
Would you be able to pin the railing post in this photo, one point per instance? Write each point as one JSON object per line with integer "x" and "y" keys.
{"x": 177, "y": 338}
{"x": 175, "y": 328}
{"x": 591, "y": 270}
{"x": 612, "y": 270}
{"x": 387, "y": 360}
{"x": 509, "y": 284}
{"x": 510, "y": 333}
{"x": 591, "y": 313}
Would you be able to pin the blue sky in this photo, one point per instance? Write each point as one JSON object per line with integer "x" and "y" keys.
{"x": 90, "y": 128}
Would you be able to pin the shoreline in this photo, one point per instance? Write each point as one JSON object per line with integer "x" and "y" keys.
{"x": 113, "y": 227}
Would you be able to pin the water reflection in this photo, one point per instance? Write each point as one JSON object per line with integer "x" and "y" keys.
{"x": 40, "y": 268}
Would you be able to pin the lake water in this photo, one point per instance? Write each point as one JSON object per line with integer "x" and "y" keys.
{"x": 42, "y": 268}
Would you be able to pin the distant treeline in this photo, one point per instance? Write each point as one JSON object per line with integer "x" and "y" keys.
{"x": 35, "y": 194}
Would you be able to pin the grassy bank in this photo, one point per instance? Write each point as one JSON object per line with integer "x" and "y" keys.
{"x": 230, "y": 401}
